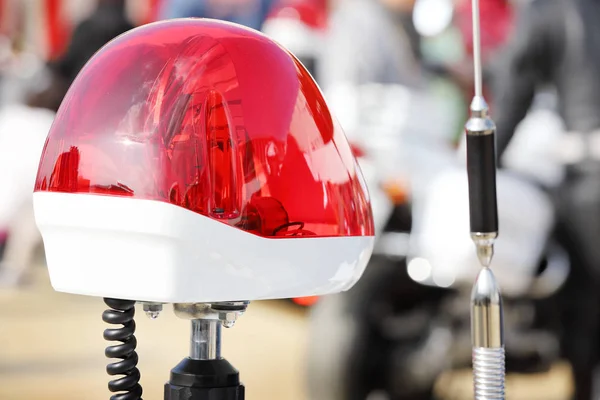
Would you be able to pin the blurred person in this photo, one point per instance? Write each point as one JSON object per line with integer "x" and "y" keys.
{"x": 373, "y": 45}
{"x": 20, "y": 153}
{"x": 368, "y": 42}
{"x": 371, "y": 41}
{"x": 557, "y": 42}
{"x": 251, "y": 13}
{"x": 108, "y": 20}
{"x": 375, "y": 41}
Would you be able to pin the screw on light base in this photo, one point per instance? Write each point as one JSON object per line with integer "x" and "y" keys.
{"x": 152, "y": 310}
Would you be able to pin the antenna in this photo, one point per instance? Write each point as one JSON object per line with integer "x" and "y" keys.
{"x": 487, "y": 330}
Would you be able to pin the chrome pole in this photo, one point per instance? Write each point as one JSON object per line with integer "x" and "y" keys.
{"x": 205, "y": 343}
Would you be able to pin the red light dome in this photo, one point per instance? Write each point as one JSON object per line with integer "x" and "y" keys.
{"x": 197, "y": 161}
{"x": 214, "y": 118}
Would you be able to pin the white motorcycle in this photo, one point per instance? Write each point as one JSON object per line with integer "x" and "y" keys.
{"x": 407, "y": 321}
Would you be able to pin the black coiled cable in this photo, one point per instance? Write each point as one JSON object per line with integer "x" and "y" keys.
{"x": 122, "y": 312}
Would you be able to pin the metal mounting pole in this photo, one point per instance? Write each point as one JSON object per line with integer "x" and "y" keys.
{"x": 205, "y": 340}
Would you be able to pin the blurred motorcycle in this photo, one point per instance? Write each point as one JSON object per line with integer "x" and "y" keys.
{"x": 400, "y": 150}
{"x": 407, "y": 321}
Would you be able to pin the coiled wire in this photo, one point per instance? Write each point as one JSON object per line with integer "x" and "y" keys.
{"x": 122, "y": 312}
{"x": 488, "y": 373}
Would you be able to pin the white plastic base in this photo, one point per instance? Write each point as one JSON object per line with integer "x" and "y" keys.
{"x": 152, "y": 251}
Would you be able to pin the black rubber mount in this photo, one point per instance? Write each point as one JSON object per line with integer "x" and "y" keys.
{"x": 204, "y": 380}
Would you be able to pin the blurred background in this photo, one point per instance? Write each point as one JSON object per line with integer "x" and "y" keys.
{"x": 398, "y": 75}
